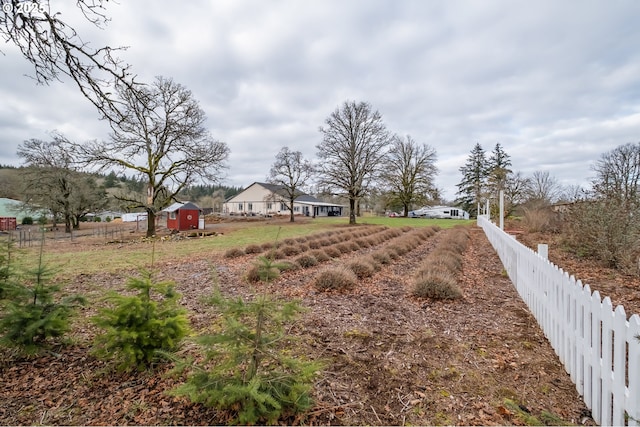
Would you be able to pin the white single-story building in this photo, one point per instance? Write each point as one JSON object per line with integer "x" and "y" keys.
{"x": 269, "y": 199}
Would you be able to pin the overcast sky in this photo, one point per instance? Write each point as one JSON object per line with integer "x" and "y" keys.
{"x": 556, "y": 83}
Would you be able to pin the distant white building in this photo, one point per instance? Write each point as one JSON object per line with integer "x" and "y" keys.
{"x": 441, "y": 212}
{"x": 268, "y": 199}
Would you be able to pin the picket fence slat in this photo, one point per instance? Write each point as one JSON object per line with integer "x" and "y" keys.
{"x": 598, "y": 346}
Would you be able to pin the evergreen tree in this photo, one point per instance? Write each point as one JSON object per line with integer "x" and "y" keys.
{"x": 29, "y": 314}
{"x": 137, "y": 327}
{"x": 472, "y": 187}
{"x": 498, "y": 175}
{"x": 248, "y": 370}
{"x": 498, "y": 170}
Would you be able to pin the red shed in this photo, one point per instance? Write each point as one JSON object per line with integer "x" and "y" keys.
{"x": 182, "y": 216}
{"x": 7, "y": 223}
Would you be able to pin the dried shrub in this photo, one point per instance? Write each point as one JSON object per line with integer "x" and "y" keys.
{"x": 446, "y": 258}
{"x": 289, "y": 241}
{"x": 320, "y": 255}
{"x": 344, "y": 248}
{"x": 234, "y": 253}
{"x": 306, "y": 260}
{"x": 332, "y": 251}
{"x": 361, "y": 268}
{"x": 375, "y": 264}
{"x": 314, "y": 244}
{"x": 288, "y": 265}
{"x": 303, "y": 247}
{"x": 335, "y": 279}
{"x": 289, "y": 250}
{"x": 325, "y": 242}
{"x": 302, "y": 239}
{"x": 382, "y": 257}
{"x": 394, "y": 252}
{"x": 363, "y": 243}
{"x": 353, "y": 245}
{"x": 437, "y": 284}
{"x": 267, "y": 245}
{"x": 406, "y": 229}
{"x": 539, "y": 219}
{"x": 253, "y": 249}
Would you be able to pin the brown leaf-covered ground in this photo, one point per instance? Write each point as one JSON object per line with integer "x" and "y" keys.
{"x": 389, "y": 358}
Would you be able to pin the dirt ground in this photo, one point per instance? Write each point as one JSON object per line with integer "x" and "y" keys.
{"x": 389, "y": 358}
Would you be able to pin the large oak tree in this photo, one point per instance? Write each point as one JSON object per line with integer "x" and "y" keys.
{"x": 291, "y": 172}
{"x": 56, "y": 50}
{"x": 408, "y": 172}
{"x": 162, "y": 138}
{"x": 354, "y": 142}
{"x": 51, "y": 181}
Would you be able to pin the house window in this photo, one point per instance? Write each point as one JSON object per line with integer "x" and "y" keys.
{"x": 250, "y": 207}
{"x": 240, "y": 207}
{"x": 269, "y": 205}
{"x": 283, "y": 207}
{"x": 172, "y": 215}
{"x": 296, "y": 208}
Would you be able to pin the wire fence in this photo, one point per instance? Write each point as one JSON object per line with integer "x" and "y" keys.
{"x": 34, "y": 235}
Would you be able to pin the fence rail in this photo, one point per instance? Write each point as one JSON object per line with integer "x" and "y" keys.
{"x": 598, "y": 345}
{"x": 34, "y": 236}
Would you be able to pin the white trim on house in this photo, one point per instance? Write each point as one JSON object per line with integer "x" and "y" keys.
{"x": 268, "y": 199}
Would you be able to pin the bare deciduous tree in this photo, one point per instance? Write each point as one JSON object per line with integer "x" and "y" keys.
{"x": 51, "y": 181}
{"x": 408, "y": 172}
{"x": 354, "y": 140}
{"x": 162, "y": 138}
{"x": 543, "y": 188}
{"x": 55, "y": 49}
{"x": 291, "y": 172}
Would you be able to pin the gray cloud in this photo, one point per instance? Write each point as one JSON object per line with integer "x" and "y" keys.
{"x": 554, "y": 82}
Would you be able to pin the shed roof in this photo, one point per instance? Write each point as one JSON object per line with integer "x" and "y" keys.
{"x": 181, "y": 205}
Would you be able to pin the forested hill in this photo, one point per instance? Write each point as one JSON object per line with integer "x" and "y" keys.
{"x": 10, "y": 185}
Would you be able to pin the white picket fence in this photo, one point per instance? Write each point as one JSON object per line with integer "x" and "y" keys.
{"x": 597, "y": 344}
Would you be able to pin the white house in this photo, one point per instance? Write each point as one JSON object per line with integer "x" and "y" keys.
{"x": 268, "y": 199}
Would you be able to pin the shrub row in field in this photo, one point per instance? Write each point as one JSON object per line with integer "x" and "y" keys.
{"x": 346, "y": 277}
{"x": 437, "y": 276}
{"x": 294, "y": 246}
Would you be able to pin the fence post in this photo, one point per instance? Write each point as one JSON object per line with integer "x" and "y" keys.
{"x": 543, "y": 250}
{"x": 633, "y": 396}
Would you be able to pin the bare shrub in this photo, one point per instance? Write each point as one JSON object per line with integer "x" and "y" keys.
{"x": 332, "y": 251}
{"x": 257, "y": 273}
{"x": 289, "y": 250}
{"x": 314, "y": 244}
{"x": 289, "y": 241}
{"x": 446, "y": 258}
{"x": 288, "y": 265}
{"x": 303, "y": 247}
{"x": 302, "y": 239}
{"x": 363, "y": 243}
{"x": 353, "y": 245}
{"x": 306, "y": 260}
{"x": 325, "y": 242}
{"x": 234, "y": 253}
{"x": 343, "y": 248}
{"x": 253, "y": 249}
{"x": 320, "y": 255}
{"x": 335, "y": 279}
{"x": 375, "y": 264}
{"x": 361, "y": 268}
{"x": 267, "y": 245}
{"x": 537, "y": 219}
{"x": 437, "y": 284}
{"x": 382, "y": 257}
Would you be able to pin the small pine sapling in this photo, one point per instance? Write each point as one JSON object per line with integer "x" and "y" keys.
{"x": 249, "y": 369}
{"x": 30, "y": 316}
{"x": 137, "y": 327}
